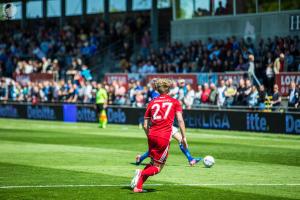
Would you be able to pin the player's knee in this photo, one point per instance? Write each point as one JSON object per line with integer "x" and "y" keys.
{"x": 159, "y": 166}
{"x": 158, "y": 169}
{"x": 177, "y": 137}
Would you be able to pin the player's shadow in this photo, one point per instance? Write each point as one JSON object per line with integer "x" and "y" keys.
{"x": 142, "y": 164}
{"x": 173, "y": 165}
{"x": 129, "y": 188}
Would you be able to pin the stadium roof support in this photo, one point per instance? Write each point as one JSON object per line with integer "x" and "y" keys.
{"x": 83, "y": 16}
{"x": 106, "y": 11}
{"x": 63, "y": 13}
{"x": 23, "y": 14}
{"x": 44, "y": 9}
{"x": 129, "y": 5}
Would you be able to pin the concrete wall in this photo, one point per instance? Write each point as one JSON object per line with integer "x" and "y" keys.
{"x": 252, "y": 25}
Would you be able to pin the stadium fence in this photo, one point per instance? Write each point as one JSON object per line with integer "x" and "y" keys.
{"x": 239, "y": 120}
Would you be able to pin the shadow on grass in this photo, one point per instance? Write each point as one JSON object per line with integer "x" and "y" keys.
{"x": 130, "y": 189}
{"x": 142, "y": 164}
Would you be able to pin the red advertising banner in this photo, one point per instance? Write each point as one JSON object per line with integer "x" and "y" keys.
{"x": 41, "y": 77}
{"x": 189, "y": 78}
{"x": 122, "y": 78}
{"x": 35, "y": 77}
{"x": 234, "y": 76}
{"x": 193, "y": 79}
{"x": 284, "y": 79}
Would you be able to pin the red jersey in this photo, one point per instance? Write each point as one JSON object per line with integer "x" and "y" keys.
{"x": 162, "y": 112}
{"x": 281, "y": 65}
{"x": 205, "y": 96}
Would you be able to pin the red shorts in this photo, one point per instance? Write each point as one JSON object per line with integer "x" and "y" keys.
{"x": 158, "y": 149}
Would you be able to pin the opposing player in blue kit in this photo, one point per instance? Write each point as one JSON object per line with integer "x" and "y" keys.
{"x": 175, "y": 134}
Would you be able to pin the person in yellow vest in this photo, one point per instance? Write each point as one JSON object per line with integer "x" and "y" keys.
{"x": 101, "y": 103}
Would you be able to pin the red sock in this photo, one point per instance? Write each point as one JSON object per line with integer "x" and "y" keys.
{"x": 143, "y": 178}
{"x": 148, "y": 171}
{"x": 147, "y": 166}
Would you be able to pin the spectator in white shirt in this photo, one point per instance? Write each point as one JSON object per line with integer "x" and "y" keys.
{"x": 28, "y": 68}
{"x": 293, "y": 97}
{"x": 198, "y": 94}
{"x": 189, "y": 97}
{"x": 174, "y": 90}
{"x": 251, "y": 68}
{"x": 221, "y": 96}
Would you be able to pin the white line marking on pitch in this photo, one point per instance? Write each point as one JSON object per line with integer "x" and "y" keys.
{"x": 126, "y": 185}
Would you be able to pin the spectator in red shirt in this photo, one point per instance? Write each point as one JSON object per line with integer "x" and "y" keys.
{"x": 205, "y": 94}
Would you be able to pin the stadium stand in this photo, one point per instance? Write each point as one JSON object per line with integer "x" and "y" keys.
{"x": 76, "y": 83}
{"x": 48, "y": 48}
{"x": 92, "y": 91}
{"x": 67, "y": 54}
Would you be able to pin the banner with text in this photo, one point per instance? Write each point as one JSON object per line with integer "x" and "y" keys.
{"x": 34, "y": 77}
{"x": 189, "y": 78}
{"x": 288, "y": 123}
{"x": 284, "y": 79}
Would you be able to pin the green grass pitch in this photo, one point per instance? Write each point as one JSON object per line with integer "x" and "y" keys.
{"x": 56, "y": 160}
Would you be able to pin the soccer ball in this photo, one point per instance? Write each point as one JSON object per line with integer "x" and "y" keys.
{"x": 208, "y": 161}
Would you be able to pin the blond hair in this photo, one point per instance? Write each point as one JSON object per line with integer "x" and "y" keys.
{"x": 163, "y": 85}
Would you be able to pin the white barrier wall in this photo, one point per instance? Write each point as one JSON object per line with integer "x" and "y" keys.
{"x": 247, "y": 25}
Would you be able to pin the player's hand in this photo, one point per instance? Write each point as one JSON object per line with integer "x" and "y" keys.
{"x": 184, "y": 143}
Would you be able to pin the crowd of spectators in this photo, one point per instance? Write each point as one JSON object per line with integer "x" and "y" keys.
{"x": 46, "y": 48}
{"x": 65, "y": 51}
{"x": 226, "y": 94}
{"x": 49, "y": 48}
{"x": 271, "y": 57}
{"x": 48, "y": 91}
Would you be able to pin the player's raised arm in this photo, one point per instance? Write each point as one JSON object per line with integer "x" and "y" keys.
{"x": 182, "y": 128}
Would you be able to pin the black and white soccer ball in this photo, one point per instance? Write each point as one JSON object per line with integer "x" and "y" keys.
{"x": 208, "y": 161}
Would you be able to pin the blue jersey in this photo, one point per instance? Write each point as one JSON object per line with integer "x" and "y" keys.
{"x": 154, "y": 94}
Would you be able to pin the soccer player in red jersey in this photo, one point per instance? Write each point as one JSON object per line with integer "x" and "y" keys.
{"x": 159, "y": 118}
